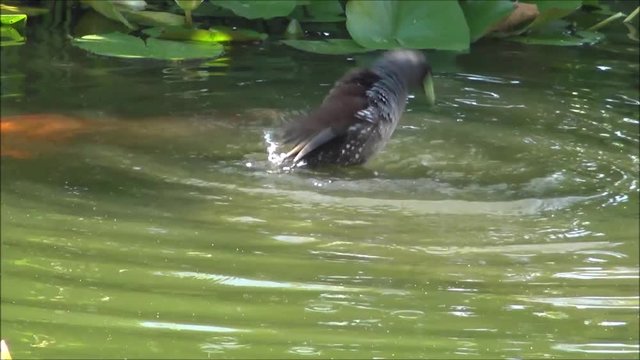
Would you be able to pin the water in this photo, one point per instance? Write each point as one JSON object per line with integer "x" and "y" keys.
{"x": 141, "y": 217}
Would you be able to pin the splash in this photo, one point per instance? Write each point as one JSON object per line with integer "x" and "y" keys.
{"x": 275, "y": 156}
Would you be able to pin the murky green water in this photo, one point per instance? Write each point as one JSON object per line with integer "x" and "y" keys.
{"x": 503, "y": 223}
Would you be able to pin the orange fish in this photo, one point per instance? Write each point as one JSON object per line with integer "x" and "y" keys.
{"x": 25, "y": 129}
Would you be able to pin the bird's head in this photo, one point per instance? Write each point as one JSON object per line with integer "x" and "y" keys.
{"x": 412, "y": 67}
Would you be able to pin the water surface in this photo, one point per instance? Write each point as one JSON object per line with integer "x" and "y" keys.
{"x": 145, "y": 219}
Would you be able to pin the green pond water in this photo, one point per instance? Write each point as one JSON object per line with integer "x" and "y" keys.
{"x": 146, "y": 220}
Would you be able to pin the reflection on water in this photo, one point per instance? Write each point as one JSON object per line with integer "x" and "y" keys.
{"x": 143, "y": 215}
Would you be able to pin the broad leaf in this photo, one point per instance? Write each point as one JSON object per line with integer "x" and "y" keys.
{"x": 387, "y": 24}
{"x": 324, "y": 11}
{"x": 154, "y": 18}
{"x": 482, "y": 15}
{"x": 16, "y": 20}
{"x": 91, "y": 22}
{"x": 126, "y": 46}
{"x": 10, "y": 36}
{"x": 258, "y": 9}
{"x": 328, "y": 47}
{"x": 110, "y": 11}
{"x": 553, "y": 10}
{"x": 217, "y": 34}
{"x": 28, "y": 10}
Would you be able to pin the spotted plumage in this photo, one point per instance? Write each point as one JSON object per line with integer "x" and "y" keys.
{"x": 360, "y": 113}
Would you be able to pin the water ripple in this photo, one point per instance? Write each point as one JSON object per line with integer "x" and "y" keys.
{"x": 589, "y": 302}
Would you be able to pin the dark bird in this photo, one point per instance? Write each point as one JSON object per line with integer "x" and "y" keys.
{"x": 358, "y": 116}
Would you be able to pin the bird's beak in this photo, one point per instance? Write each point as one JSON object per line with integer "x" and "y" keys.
{"x": 427, "y": 84}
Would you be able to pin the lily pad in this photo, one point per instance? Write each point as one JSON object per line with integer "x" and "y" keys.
{"x": 10, "y": 36}
{"x": 258, "y": 9}
{"x": 213, "y": 35}
{"x": 125, "y": 46}
{"x": 28, "y": 10}
{"x": 553, "y": 10}
{"x": 321, "y": 11}
{"x": 483, "y": 15}
{"x": 153, "y": 18}
{"x": 327, "y": 47}
{"x": 91, "y": 22}
{"x": 387, "y": 24}
{"x": 561, "y": 39}
{"x": 14, "y": 20}
{"x": 109, "y": 10}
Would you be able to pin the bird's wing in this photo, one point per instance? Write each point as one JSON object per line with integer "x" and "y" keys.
{"x": 346, "y": 102}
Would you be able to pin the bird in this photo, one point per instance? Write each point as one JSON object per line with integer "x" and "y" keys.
{"x": 359, "y": 114}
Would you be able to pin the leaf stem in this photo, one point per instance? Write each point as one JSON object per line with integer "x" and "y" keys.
{"x": 606, "y": 21}
{"x": 632, "y": 15}
{"x": 188, "y": 20}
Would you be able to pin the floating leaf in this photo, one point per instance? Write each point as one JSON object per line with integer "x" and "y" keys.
{"x": 217, "y": 34}
{"x": 516, "y": 23}
{"x": 387, "y": 24}
{"x": 154, "y": 18}
{"x": 16, "y": 20}
{"x": 560, "y": 39}
{"x": 258, "y": 9}
{"x": 10, "y": 36}
{"x": 483, "y": 15}
{"x": 323, "y": 11}
{"x": 553, "y": 10}
{"x": 239, "y": 34}
{"x": 91, "y": 22}
{"x": 126, "y": 46}
{"x": 327, "y": 47}
{"x": 30, "y": 11}
{"x": 109, "y": 10}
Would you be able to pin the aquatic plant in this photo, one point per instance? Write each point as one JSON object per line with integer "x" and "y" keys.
{"x": 330, "y": 26}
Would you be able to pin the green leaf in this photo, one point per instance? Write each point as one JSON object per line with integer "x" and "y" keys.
{"x": 10, "y": 36}
{"x": 188, "y": 5}
{"x": 552, "y": 10}
{"x": 258, "y": 9}
{"x": 110, "y": 11}
{"x": 560, "y": 39}
{"x": 481, "y": 15}
{"x": 10, "y": 24}
{"x": 217, "y": 34}
{"x": 324, "y": 11}
{"x": 126, "y": 46}
{"x": 153, "y": 18}
{"x": 17, "y": 20}
{"x": 328, "y": 47}
{"x": 387, "y": 24}
{"x": 28, "y": 10}
{"x": 239, "y": 34}
{"x": 91, "y": 22}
